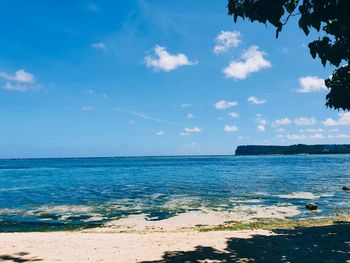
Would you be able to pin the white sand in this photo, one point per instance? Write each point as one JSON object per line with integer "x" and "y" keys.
{"x": 174, "y": 236}
{"x": 144, "y": 240}
{"x": 74, "y": 247}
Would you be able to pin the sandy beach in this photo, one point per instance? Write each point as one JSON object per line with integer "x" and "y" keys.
{"x": 132, "y": 241}
{"x": 315, "y": 244}
{"x": 107, "y": 247}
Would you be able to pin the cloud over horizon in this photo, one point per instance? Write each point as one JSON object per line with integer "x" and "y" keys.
{"x": 344, "y": 119}
{"x": 230, "y": 128}
{"x": 305, "y": 121}
{"x": 283, "y": 121}
{"x": 261, "y": 122}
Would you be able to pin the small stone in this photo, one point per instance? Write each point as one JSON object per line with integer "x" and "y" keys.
{"x": 345, "y": 188}
{"x": 311, "y": 206}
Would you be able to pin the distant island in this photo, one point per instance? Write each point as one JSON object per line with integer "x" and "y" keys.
{"x": 293, "y": 149}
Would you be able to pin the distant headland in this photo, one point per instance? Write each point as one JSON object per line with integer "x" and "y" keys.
{"x": 293, "y": 149}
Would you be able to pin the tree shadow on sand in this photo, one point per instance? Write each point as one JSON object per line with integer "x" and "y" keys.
{"x": 18, "y": 258}
{"x": 312, "y": 244}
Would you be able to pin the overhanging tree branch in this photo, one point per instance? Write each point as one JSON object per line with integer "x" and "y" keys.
{"x": 332, "y": 17}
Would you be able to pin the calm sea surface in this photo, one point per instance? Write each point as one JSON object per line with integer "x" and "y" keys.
{"x": 47, "y": 194}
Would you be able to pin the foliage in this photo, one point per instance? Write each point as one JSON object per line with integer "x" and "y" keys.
{"x": 330, "y": 17}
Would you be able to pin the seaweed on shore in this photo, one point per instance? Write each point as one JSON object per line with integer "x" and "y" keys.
{"x": 271, "y": 224}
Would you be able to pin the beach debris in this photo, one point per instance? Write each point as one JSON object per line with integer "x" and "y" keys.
{"x": 345, "y": 188}
{"x": 311, "y": 206}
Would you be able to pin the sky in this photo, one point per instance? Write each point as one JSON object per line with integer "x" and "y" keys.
{"x": 147, "y": 77}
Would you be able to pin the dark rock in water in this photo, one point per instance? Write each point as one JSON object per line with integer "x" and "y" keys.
{"x": 345, "y": 188}
{"x": 311, "y": 206}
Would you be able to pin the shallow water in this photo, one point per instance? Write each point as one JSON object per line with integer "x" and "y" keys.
{"x": 54, "y": 194}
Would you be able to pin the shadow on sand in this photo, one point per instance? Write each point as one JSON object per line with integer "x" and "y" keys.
{"x": 18, "y": 257}
{"x": 313, "y": 244}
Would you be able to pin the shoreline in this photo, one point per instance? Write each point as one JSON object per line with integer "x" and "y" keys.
{"x": 209, "y": 243}
{"x": 196, "y": 222}
{"x": 135, "y": 224}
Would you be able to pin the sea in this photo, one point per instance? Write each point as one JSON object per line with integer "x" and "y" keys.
{"x": 79, "y": 193}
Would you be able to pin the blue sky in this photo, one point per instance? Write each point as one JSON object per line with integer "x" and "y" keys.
{"x": 114, "y": 78}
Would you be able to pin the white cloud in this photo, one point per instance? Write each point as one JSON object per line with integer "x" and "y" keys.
{"x": 193, "y": 130}
{"x": 252, "y": 60}
{"x": 21, "y": 76}
{"x": 223, "y": 104}
{"x": 20, "y": 81}
{"x": 316, "y": 136}
{"x": 131, "y": 122}
{"x": 261, "y": 122}
{"x": 99, "y": 45}
{"x": 87, "y": 108}
{"x": 333, "y": 130}
{"x": 165, "y": 61}
{"x": 185, "y": 105}
{"x": 295, "y": 137}
{"x": 305, "y": 121}
{"x": 188, "y": 131}
{"x": 255, "y": 100}
{"x": 312, "y": 130}
{"x": 330, "y": 122}
{"x": 344, "y": 119}
{"x": 17, "y": 87}
{"x": 280, "y": 136}
{"x": 190, "y": 116}
{"x": 230, "y": 128}
{"x": 283, "y": 121}
{"x": 225, "y": 40}
{"x": 311, "y": 84}
{"x": 160, "y": 133}
{"x": 261, "y": 128}
{"x": 332, "y": 136}
{"x": 233, "y": 115}
{"x": 280, "y": 130}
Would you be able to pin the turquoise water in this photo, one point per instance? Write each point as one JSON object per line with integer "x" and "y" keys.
{"x": 56, "y": 194}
